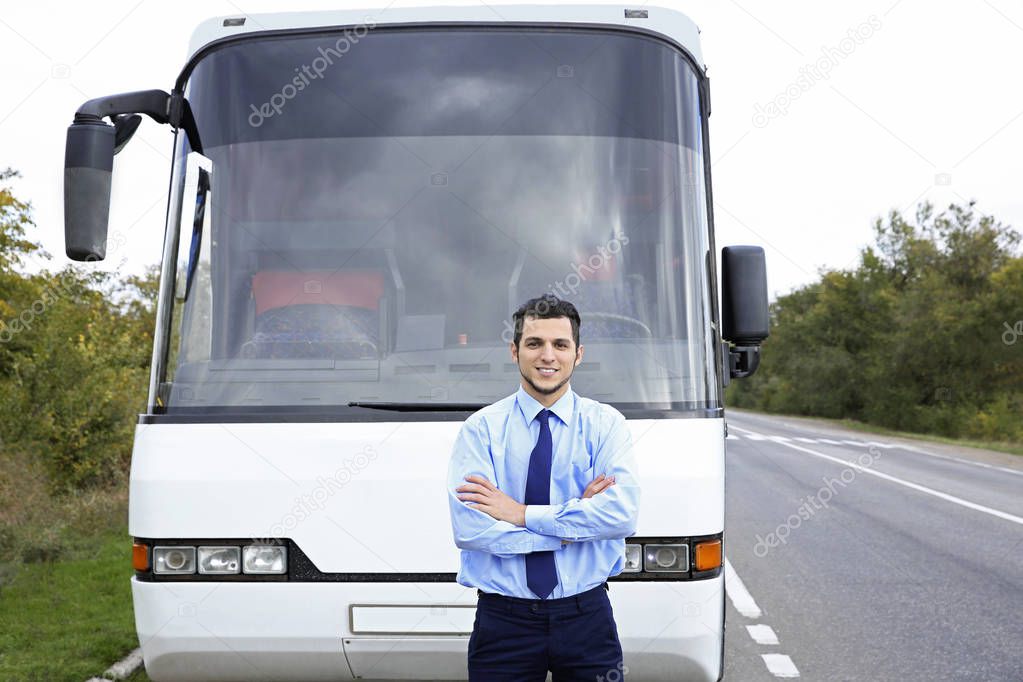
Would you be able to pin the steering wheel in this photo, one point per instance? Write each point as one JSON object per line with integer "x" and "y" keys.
{"x": 614, "y": 317}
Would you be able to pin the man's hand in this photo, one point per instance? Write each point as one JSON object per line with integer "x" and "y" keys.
{"x": 595, "y": 487}
{"x": 598, "y": 485}
{"x": 485, "y": 496}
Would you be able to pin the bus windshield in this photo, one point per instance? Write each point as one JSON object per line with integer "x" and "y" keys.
{"x": 380, "y": 204}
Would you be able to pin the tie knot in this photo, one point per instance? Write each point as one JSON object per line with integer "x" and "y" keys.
{"x": 543, "y": 415}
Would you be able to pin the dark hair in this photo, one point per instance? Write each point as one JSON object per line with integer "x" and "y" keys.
{"x": 544, "y": 307}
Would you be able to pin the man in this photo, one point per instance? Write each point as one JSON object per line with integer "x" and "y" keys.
{"x": 539, "y": 533}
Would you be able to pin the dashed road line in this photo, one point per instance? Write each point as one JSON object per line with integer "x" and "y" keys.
{"x": 762, "y": 634}
{"x": 742, "y": 600}
{"x": 780, "y": 665}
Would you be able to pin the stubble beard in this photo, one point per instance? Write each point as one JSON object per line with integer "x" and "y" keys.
{"x": 545, "y": 391}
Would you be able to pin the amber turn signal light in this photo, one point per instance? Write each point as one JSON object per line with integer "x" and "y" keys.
{"x": 140, "y": 556}
{"x": 707, "y": 555}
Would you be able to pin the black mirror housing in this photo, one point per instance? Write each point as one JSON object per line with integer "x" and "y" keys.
{"x": 744, "y": 318}
{"x": 88, "y": 171}
{"x": 744, "y": 311}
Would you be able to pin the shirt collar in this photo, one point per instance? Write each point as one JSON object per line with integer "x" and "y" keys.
{"x": 530, "y": 407}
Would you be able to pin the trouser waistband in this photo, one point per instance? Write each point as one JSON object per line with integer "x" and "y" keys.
{"x": 574, "y": 600}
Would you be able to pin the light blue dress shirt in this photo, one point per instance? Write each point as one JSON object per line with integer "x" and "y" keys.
{"x": 589, "y": 438}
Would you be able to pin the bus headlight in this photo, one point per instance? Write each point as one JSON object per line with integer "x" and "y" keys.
{"x": 178, "y": 560}
{"x": 666, "y": 557}
{"x": 219, "y": 560}
{"x": 633, "y": 558}
{"x": 265, "y": 559}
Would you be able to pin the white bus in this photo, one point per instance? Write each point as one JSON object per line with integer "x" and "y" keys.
{"x": 358, "y": 202}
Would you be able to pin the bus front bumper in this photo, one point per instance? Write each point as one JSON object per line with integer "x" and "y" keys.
{"x": 225, "y": 631}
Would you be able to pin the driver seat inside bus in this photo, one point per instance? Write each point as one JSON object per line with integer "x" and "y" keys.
{"x": 316, "y": 314}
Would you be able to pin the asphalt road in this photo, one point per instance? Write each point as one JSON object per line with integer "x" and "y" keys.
{"x": 869, "y": 557}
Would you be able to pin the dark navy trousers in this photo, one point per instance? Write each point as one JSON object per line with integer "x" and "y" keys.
{"x": 575, "y": 638}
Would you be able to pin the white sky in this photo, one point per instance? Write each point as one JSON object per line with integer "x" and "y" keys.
{"x": 927, "y": 107}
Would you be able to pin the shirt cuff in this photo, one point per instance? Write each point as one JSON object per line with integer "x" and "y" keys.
{"x": 540, "y": 518}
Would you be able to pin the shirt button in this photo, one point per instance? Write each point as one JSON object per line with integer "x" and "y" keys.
{"x": 534, "y": 608}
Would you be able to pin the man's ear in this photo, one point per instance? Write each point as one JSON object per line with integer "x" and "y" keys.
{"x": 514, "y": 352}
{"x": 578, "y": 355}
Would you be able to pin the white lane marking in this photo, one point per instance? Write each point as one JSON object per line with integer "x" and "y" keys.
{"x": 762, "y": 634}
{"x": 915, "y": 486}
{"x": 858, "y": 443}
{"x": 754, "y": 436}
{"x": 731, "y": 436}
{"x": 958, "y": 459}
{"x": 885, "y": 446}
{"x": 742, "y": 600}
{"x": 780, "y": 665}
{"x": 780, "y": 439}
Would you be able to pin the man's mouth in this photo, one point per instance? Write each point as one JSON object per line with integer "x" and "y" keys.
{"x": 546, "y": 371}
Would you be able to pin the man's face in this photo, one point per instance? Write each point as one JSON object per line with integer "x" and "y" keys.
{"x": 546, "y": 356}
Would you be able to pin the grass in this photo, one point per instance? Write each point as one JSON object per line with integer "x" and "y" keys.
{"x": 65, "y": 569}
{"x": 69, "y": 619}
{"x": 852, "y": 424}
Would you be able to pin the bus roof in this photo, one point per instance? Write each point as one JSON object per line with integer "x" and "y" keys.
{"x": 669, "y": 23}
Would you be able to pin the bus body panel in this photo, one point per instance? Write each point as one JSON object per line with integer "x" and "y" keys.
{"x": 302, "y": 631}
{"x": 314, "y": 482}
{"x": 668, "y": 22}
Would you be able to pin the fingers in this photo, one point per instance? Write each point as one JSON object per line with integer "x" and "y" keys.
{"x": 472, "y": 496}
{"x": 471, "y": 488}
{"x": 481, "y": 481}
{"x": 598, "y": 485}
{"x": 592, "y": 486}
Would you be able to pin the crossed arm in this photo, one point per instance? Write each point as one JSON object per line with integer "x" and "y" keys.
{"x": 481, "y": 494}
{"x": 485, "y": 518}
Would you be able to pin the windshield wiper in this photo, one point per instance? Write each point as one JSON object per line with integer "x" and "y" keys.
{"x": 421, "y": 407}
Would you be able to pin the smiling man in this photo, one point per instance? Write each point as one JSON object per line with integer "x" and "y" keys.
{"x": 543, "y": 491}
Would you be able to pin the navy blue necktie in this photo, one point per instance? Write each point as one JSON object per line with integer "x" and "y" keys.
{"x": 541, "y": 574}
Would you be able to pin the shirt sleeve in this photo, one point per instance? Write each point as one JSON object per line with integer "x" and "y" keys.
{"x": 474, "y": 529}
{"x": 609, "y": 515}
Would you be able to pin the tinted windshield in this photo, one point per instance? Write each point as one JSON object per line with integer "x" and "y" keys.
{"x": 377, "y": 214}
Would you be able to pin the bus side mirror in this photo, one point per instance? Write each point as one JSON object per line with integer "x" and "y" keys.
{"x": 744, "y": 314}
{"x": 88, "y": 168}
{"x": 89, "y": 160}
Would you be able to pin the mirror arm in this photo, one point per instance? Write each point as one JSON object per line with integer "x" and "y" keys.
{"x": 156, "y": 104}
{"x": 743, "y": 360}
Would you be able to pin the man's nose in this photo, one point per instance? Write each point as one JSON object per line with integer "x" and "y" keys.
{"x": 548, "y": 352}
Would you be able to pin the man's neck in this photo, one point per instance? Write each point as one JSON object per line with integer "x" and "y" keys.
{"x": 547, "y": 400}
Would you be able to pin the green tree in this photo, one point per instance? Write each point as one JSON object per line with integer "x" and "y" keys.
{"x": 911, "y": 338}
{"x": 74, "y": 358}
